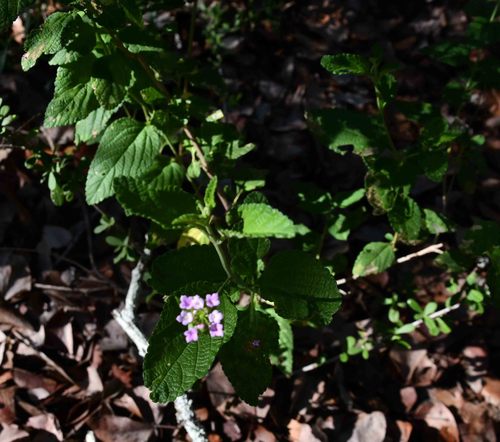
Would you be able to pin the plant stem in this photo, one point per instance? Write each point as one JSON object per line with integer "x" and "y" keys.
{"x": 220, "y": 251}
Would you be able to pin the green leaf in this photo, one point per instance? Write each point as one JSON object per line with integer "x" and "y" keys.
{"x": 340, "y": 228}
{"x": 245, "y": 254}
{"x": 164, "y": 173}
{"x": 210, "y": 193}
{"x": 48, "y": 39}
{"x": 414, "y": 305}
{"x": 261, "y": 220}
{"x": 111, "y": 79}
{"x": 443, "y": 326}
{"x": 435, "y": 222}
{"x": 342, "y": 64}
{"x": 346, "y": 199}
{"x": 406, "y": 218}
{"x": 300, "y": 287}
{"x": 245, "y": 358}
{"x": 374, "y": 258}
{"x": 162, "y": 206}
{"x": 89, "y": 130}
{"x": 10, "y": 9}
{"x": 343, "y": 127}
{"x": 74, "y": 97}
{"x": 431, "y": 326}
{"x": 450, "y": 52}
{"x": 284, "y": 358}
{"x": 127, "y": 147}
{"x": 171, "y": 366}
{"x": 407, "y": 328}
{"x": 176, "y": 268}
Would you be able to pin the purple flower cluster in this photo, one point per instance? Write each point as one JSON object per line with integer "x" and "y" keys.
{"x": 198, "y": 313}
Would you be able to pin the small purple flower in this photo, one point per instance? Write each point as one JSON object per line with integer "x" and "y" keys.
{"x": 184, "y": 317}
{"x": 197, "y": 302}
{"x": 186, "y": 302}
{"x": 215, "y": 317}
{"x": 256, "y": 343}
{"x": 191, "y": 335}
{"x": 216, "y": 330}
{"x": 200, "y": 326}
{"x": 212, "y": 300}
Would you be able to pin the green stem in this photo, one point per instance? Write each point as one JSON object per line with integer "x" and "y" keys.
{"x": 220, "y": 251}
{"x": 495, "y": 11}
{"x": 383, "y": 118}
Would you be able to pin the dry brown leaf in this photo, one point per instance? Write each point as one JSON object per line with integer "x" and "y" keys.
{"x": 120, "y": 429}
{"x": 127, "y": 402}
{"x": 437, "y": 415}
{"x": 300, "y": 432}
{"x": 12, "y": 433}
{"x": 415, "y": 366}
{"x": 491, "y": 391}
{"x": 369, "y": 427}
{"x": 261, "y": 434}
{"x": 405, "y": 429}
{"x": 408, "y": 397}
{"x": 46, "y": 422}
{"x": 7, "y": 405}
{"x": 477, "y": 425}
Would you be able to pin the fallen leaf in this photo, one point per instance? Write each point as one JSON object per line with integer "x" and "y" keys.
{"x": 369, "y": 427}
{"x": 437, "y": 415}
{"x": 11, "y": 433}
{"x": 300, "y": 432}
{"x": 120, "y": 429}
{"x": 46, "y": 422}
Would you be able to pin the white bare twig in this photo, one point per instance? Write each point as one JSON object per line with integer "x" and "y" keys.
{"x": 125, "y": 317}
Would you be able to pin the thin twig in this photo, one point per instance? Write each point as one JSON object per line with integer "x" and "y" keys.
{"x": 125, "y": 317}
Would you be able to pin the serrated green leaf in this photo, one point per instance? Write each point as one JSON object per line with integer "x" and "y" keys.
{"x": 73, "y": 98}
{"x": 406, "y": 218}
{"x": 171, "y": 366}
{"x": 127, "y": 147}
{"x": 245, "y": 358}
{"x": 342, "y": 64}
{"x": 48, "y": 39}
{"x": 338, "y": 128}
{"x": 374, "y": 258}
{"x": 10, "y": 9}
{"x": 111, "y": 79}
{"x": 162, "y": 206}
{"x": 176, "y": 268}
{"x": 89, "y": 130}
{"x": 300, "y": 287}
{"x": 245, "y": 254}
{"x": 262, "y": 220}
